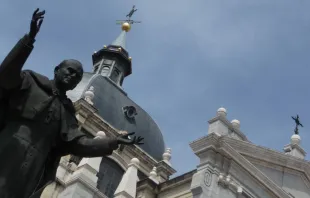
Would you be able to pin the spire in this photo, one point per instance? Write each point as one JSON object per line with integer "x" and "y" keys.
{"x": 120, "y": 40}
{"x": 126, "y": 26}
{"x": 113, "y": 61}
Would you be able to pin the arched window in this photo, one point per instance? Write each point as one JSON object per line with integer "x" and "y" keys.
{"x": 105, "y": 70}
{"x": 109, "y": 176}
{"x": 122, "y": 79}
{"x": 115, "y": 75}
{"x": 96, "y": 69}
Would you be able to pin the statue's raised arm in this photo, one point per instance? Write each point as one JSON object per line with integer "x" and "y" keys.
{"x": 10, "y": 68}
{"x": 36, "y": 22}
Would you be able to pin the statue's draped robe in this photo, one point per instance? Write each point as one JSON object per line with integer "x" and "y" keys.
{"x": 37, "y": 127}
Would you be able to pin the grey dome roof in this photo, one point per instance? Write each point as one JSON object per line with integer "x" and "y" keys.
{"x": 110, "y": 100}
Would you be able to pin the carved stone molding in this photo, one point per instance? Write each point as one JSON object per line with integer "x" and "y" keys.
{"x": 208, "y": 178}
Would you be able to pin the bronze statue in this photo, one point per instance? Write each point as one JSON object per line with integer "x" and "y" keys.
{"x": 38, "y": 124}
{"x": 297, "y": 122}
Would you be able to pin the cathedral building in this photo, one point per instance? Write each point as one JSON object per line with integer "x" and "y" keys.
{"x": 230, "y": 166}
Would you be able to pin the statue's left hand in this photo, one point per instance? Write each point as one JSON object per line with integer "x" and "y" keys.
{"x": 124, "y": 139}
{"x": 36, "y": 22}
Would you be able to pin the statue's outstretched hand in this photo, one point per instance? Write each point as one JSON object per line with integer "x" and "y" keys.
{"x": 124, "y": 139}
{"x": 36, "y": 22}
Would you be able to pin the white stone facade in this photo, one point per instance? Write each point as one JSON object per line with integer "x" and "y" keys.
{"x": 230, "y": 167}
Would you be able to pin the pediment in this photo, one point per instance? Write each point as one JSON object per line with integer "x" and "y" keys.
{"x": 219, "y": 145}
{"x": 289, "y": 173}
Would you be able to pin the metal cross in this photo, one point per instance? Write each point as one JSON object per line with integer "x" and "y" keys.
{"x": 297, "y": 122}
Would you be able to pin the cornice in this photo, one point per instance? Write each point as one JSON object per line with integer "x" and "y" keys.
{"x": 97, "y": 123}
{"x": 147, "y": 183}
{"x": 144, "y": 158}
{"x": 163, "y": 166}
{"x": 177, "y": 181}
{"x": 204, "y": 143}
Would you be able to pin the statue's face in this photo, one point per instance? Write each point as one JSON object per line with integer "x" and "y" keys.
{"x": 68, "y": 74}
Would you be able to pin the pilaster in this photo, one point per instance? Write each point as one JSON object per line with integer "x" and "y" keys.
{"x": 205, "y": 180}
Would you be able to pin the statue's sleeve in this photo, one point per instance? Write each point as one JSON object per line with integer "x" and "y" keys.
{"x": 87, "y": 147}
{"x": 10, "y": 68}
{"x": 75, "y": 142}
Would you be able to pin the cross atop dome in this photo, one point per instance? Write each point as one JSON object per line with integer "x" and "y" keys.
{"x": 126, "y": 27}
{"x": 104, "y": 60}
{"x": 294, "y": 148}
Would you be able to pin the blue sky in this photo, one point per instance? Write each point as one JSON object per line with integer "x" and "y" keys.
{"x": 189, "y": 59}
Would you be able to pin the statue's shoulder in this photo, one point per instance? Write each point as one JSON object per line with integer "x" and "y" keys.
{"x": 35, "y": 75}
{"x": 31, "y": 77}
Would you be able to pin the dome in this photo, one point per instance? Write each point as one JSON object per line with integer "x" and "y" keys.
{"x": 115, "y": 107}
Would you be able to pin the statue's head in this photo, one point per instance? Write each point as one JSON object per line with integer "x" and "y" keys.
{"x": 68, "y": 74}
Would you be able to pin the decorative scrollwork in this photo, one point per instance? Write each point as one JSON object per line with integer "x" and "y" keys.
{"x": 208, "y": 178}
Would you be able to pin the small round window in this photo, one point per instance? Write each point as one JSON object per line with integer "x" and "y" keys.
{"x": 130, "y": 112}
